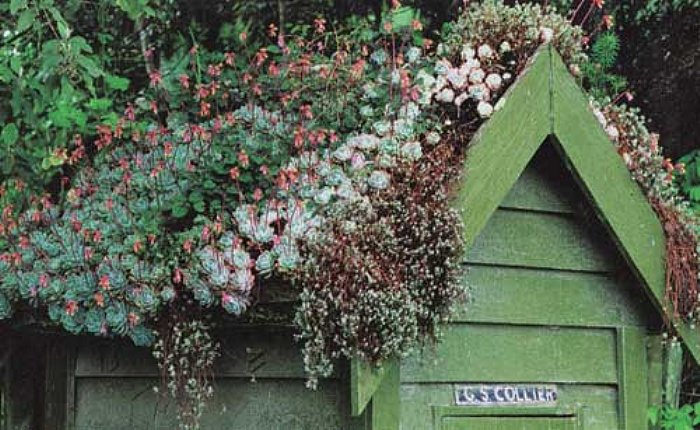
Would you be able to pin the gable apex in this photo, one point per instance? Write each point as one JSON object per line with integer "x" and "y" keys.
{"x": 546, "y": 104}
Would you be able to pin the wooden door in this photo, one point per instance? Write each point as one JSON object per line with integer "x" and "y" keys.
{"x": 509, "y": 423}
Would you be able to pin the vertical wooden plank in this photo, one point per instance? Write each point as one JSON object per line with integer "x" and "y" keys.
{"x": 365, "y": 379}
{"x": 56, "y": 385}
{"x": 655, "y": 358}
{"x": 386, "y": 401}
{"x": 673, "y": 367}
{"x": 632, "y": 371}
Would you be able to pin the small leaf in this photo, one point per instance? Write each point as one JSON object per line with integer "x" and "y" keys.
{"x": 10, "y": 134}
{"x": 16, "y": 5}
{"x": 115, "y": 82}
{"x": 26, "y": 19}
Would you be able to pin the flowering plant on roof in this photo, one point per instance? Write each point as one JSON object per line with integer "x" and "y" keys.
{"x": 322, "y": 159}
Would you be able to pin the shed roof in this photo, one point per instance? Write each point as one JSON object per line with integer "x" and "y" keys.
{"x": 546, "y": 102}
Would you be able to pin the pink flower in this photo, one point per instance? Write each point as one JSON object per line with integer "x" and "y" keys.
{"x": 257, "y": 194}
{"x": 320, "y": 25}
{"x": 243, "y": 158}
{"x": 234, "y": 173}
{"x": 184, "y": 81}
{"x": 155, "y": 78}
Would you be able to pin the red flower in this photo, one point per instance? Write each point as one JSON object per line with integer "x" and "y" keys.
{"x": 71, "y": 307}
{"x": 257, "y": 194}
{"x": 44, "y": 280}
{"x": 305, "y": 111}
{"x": 137, "y": 247}
{"x": 234, "y": 173}
{"x": 607, "y": 21}
{"x": 599, "y": 3}
{"x": 104, "y": 282}
{"x": 416, "y": 25}
{"x": 99, "y": 299}
{"x": 264, "y": 170}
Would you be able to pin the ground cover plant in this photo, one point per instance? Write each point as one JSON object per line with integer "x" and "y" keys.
{"x": 321, "y": 159}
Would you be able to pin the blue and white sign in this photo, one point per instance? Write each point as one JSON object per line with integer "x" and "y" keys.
{"x": 506, "y": 395}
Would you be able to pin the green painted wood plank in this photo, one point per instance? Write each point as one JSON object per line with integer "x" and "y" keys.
{"x": 364, "y": 381}
{"x": 632, "y": 369}
{"x": 420, "y": 401}
{"x": 503, "y": 353}
{"x": 622, "y": 207}
{"x": 496, "y": 158}
{"x": 655, "y": 369}
{"x": 543, "y": 186}
{"x": 672, "y": 372}
{"x": 540, "y": 240}
{"x": 546, "y": 297}
{"x": 386, "y": 401}
{"x": 245, "y": 354}
{"x": 273, "y": 404}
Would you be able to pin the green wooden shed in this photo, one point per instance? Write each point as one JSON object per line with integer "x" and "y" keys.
{"x": 565, "y": 271}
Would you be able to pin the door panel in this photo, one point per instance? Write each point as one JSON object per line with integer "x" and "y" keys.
{"x": 509, "y": 423}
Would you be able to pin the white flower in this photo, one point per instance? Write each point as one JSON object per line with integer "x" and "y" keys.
{"x": 382, "y": 128}
{"x": 461, "y": 99}
{"x": 507, "y": 76}
{"x": 456, "y": 78}
{"x": 471, "y": 64}
{"x": 494, "y": 81}
{"x": 403, "y": 128}
{"x": 323, "y": 197}
{"x": 575, "y": 70}
{"x": 613, "y": 132}
{"x": 343, "y": 153}
{"x": 364, "y": 141}
{"x": 479, "y": 92}
{"x": 445, "y": 96}
{"x": 425, "y": 79}
{"x": 467, "y": 52}
{"x": 546, "y": 34}
{"x": 442, "y": 66}
{"x": 366, "y": 111}
{"x": 433, "y": 137}
{"x": 412, "y": 150}
{"x": 505, "y": 46}
{"x": 485, "y": 51}
{"x": 600, "y": 117}
{"x": 477, "y": 76}
{"x": 378, "y": 57}
{"x": 413, "y": 54}
{"x": 378, "y": 179}
{"x": 485, "y": 109}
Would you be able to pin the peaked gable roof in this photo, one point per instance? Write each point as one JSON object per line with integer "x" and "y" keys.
{"x": 547, "y": 102}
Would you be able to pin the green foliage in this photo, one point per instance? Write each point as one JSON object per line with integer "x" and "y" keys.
{"x": 598, "y": 73}
{"x": 688, "y": 179}
{"x": 687, "y": 417}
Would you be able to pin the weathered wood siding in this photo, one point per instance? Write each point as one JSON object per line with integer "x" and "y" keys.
{"x": 259, "y": 385}
{"x": 550, "y": 302}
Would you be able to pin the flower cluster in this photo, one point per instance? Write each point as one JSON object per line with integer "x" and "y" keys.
{"x": 654, "y": 173}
